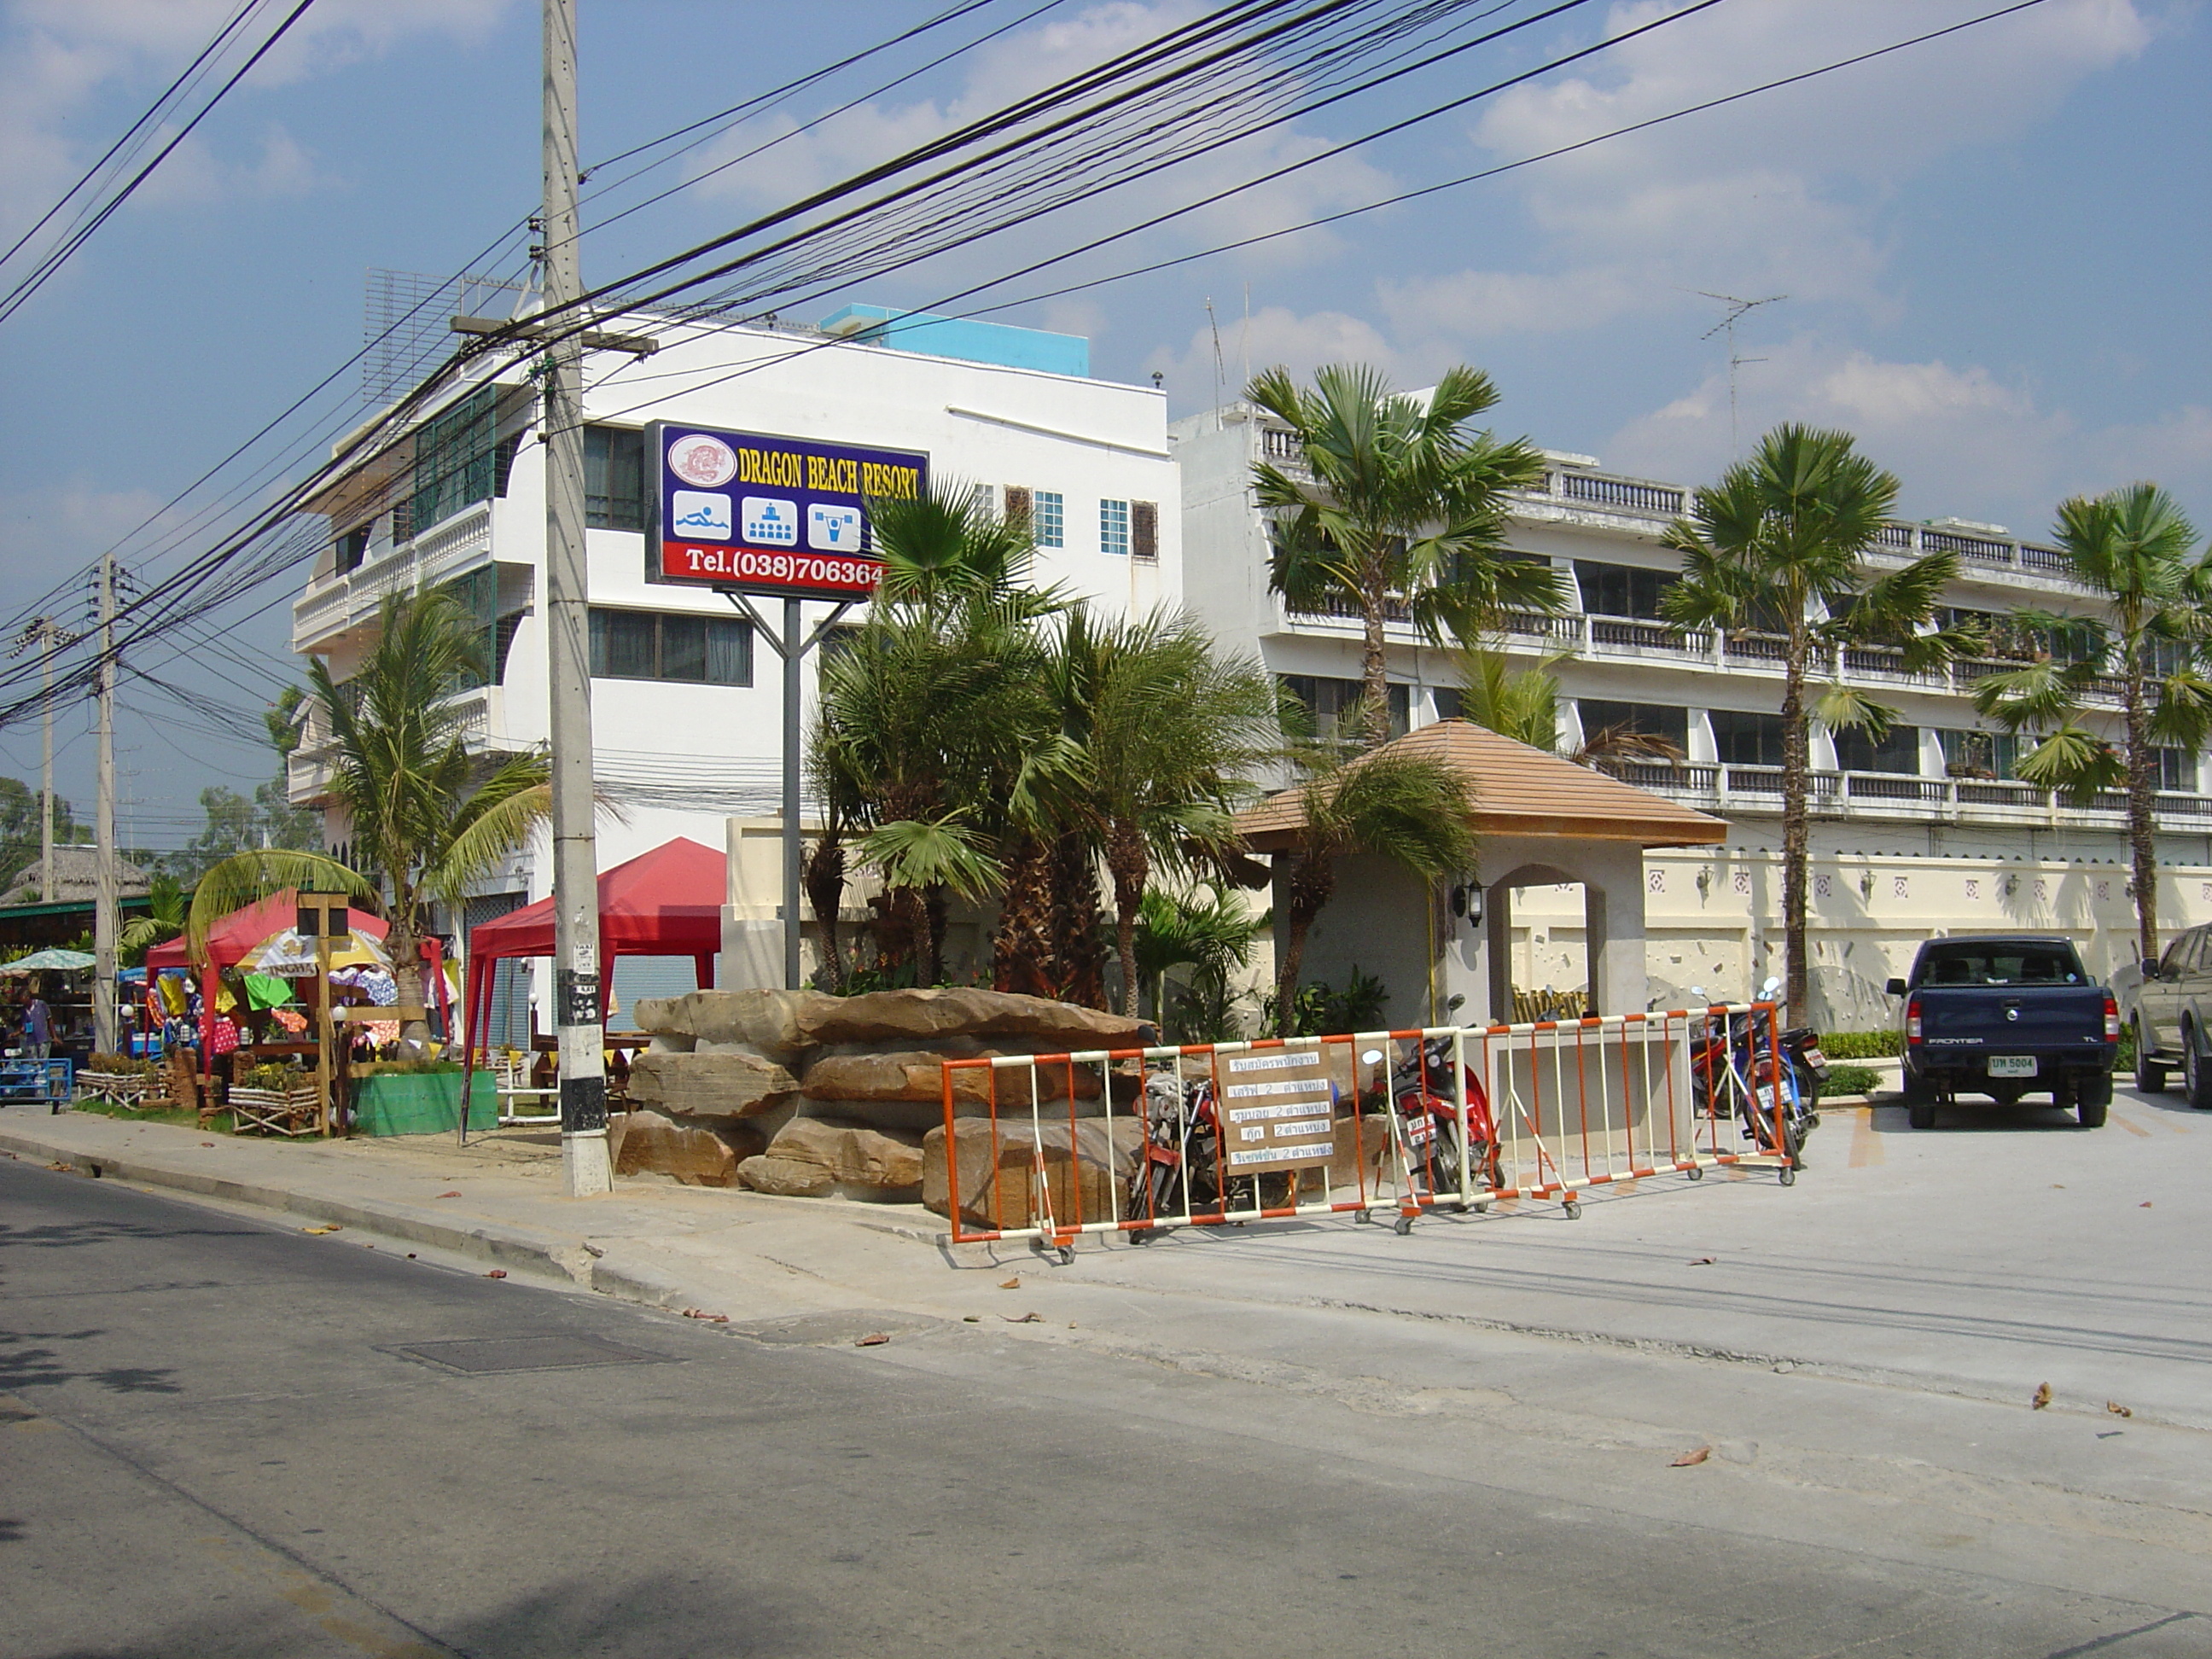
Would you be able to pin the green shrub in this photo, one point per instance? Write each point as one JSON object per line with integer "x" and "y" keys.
{"x": 1860, "y": 1045}
{"x": 121, "y": 1065}
{"x": 274, "y": 1075}
{"x": 1849, "y": 1080}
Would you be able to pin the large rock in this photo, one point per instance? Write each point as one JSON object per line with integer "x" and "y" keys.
{"x": 773, "y": 1023}
{"x": 918, "y": 1075}
{"x": 811, "y": 1158}
{"x": 880, "y": 1016}
{"x": 1087, "y": 1167}
{"x": 731, "y": 1083}
{"x": 697, "y": 1155}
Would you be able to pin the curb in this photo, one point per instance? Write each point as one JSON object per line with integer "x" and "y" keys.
{"x": 486, "y": 1241}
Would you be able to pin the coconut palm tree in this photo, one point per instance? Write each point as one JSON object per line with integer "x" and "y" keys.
{"x": 1410, "y": 809}
{"x": 1779, "y": 544}
{"x": 2136, "y": 551}
{"x": 168, "y": 909}
{"x": 1211, "y": 933}
{"x": 1405, "y": 510}
{"x": 425, "y": 814}
{"x": 1523, "y": 704}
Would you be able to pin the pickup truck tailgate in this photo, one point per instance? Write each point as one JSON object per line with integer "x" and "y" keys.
{"x": 2001, "y": 1018}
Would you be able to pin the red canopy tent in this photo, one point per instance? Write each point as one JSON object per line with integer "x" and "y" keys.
{"x": 238, "y": 934}
{"x": 667, "y": 903}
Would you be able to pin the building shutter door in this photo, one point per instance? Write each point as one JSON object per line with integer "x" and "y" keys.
{"x": 1019, "y": 502}
{"x": 1144, "y": 532}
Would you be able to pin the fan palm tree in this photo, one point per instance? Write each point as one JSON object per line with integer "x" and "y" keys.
{"x": 1410, "y": 809}
{"x": 424, "y": 812}
{"x": 2136, "y": 551}
{"x": 1406, "y": 508}
{"x": 1780, "y": 544}
{"x": 1170, "y": 729}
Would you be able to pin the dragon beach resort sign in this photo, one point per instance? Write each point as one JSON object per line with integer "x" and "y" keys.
{"x": 762, "y": 514}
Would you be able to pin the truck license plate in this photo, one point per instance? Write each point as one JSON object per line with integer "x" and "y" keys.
{"x": 2012, "y": 1065}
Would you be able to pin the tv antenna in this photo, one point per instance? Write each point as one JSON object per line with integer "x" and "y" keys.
{"x": 1737, "y": 310}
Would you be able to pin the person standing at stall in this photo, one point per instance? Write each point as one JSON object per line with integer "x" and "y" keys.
{"x": 38, "y": 1027}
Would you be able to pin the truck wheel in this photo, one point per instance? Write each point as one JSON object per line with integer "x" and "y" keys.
{"x": 2196, "y": 1075}
{"x": 2092, "y": 1097}
{"x": 1919, "y": 1102}
{"x": 2150, "y": 1076}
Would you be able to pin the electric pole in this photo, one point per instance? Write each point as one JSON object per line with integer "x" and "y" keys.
{"x": 104, "y": 893}
{"x": 584, "y": 1162}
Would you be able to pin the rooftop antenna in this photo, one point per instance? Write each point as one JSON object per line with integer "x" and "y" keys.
{"x": 1737, "y": 310}
{"x": 1214, "y": 323}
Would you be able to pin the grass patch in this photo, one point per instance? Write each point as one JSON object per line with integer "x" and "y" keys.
{"x": 176, "y": 1114}
{"x": 1849, "y": 1080}
{"x": 1860, "y": 1045}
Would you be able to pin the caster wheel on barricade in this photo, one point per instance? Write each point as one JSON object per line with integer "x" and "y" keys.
{"x": 1139, "y": 1235}
{"x": 1066, "y": 1254}
{"x": 1402, "y": 1226}
{"x": 1481, "y": 1205}
{"x": 1362, "y": 1218}
{"x": 1456, "y": 1209}
{"x": 1574, "y": 1209}
{"x": 1788, "y": 1177}
{"x": 1696, "y": 1172}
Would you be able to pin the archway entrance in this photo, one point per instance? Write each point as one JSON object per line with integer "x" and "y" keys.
{"x": 1545, "y": 929}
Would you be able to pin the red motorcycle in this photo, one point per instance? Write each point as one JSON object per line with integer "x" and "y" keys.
{"x": 1425, "y": 1097}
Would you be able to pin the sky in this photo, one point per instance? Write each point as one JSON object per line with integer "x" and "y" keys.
{"x": 1989, "y": 249}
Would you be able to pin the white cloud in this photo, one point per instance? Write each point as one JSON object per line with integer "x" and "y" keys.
{"x": 1300, "y": 342}
{"x": 1963, "y": 441}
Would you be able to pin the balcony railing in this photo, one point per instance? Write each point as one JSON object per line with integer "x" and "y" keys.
{"x": 330, "y": 603}
{"x": 1758, "y": 788}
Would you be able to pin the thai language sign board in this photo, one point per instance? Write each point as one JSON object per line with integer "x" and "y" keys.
{"x": 1277, "y": 1111}
{"x": 772, "y": 515}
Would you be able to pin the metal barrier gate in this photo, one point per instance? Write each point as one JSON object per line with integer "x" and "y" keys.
{"x": 1046, "y": 1147}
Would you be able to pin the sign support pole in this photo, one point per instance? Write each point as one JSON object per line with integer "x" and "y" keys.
{"x": 793, "y": 648}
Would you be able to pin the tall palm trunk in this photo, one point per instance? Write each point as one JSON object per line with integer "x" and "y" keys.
{"x": 1795, "y": 782}
{"x": 1126, "y": 863}
{"x": 1374, "y": 658}
{"x": 824, "y": 877}
{"x": 2143, "y": 800}
{"x": 1312, "y": 880}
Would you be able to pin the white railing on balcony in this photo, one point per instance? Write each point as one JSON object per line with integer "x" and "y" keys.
{"x": 334, "y": 602}
{"x": 1882, "y": 793}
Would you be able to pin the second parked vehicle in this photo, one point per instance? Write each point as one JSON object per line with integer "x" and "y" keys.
{"x": 2167, "y": 1004}
{"x": 2006, "y": 1016}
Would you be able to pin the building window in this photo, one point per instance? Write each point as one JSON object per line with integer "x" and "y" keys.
{"x": 1746, "y": 740}
{"x": 460, "y": 457}
{"x": 1329, "y": 704}
{"x": 614, "y": 477}
{"x": 656, "y": 645}
{"x": 352, "y": 549}
{"x": 2177, "y": 771}
{"x": 1897, "y": 749}
{"x": 1989, "y": 755}
{"x": 1650, "y": 721}
{"x": 1621, "y": 590}
{"x": 1047, "y": 519}
{"x": 1114, "y": 528}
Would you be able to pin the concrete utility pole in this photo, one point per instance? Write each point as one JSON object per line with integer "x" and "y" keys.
{"x": 103, "y": 914}
{"x": 568, "y": 608}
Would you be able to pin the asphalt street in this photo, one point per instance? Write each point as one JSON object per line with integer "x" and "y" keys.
{"x": 225, "y": 1437}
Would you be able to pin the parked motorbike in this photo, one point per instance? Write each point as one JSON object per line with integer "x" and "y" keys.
{"x": 1424, "y": 1096}
{"x": 1180, "y": 1173}
{"x": 1738, "y": 1063}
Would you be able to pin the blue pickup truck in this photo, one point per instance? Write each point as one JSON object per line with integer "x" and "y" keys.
{"x": 2006, "y": 1016}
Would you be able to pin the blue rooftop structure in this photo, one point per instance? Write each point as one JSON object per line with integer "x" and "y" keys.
{"x": 964, "y": 337}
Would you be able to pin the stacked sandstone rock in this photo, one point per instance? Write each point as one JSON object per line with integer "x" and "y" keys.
{"x": 804, "y": 1094}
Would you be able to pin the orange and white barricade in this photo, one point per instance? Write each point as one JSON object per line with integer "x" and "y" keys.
{"x": 1046, "y": 1147}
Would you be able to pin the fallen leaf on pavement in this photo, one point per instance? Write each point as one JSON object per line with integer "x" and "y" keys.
{"x": 449, "y": 1194}
{"x": 700, "y": 1313}
{"x": 1023, "y": 1319}
{"x": 2058, "y": 1186}
{"x": 2041, "y": 1397}
{"x": 496, "y": 1272}
{"x": 873, "y": 1339}
{"x": 1691, "y": 1459}
{"x": 327, "y": 1227}
{"x": 1702, "y": 1262}
{"x": 211, "y": 1143}
{"x": 2117, "y": 1409}
{"x": 1013, "y": 1283}
{"x": 2145, "y": 1205}
{"x": 972, "y": 1319}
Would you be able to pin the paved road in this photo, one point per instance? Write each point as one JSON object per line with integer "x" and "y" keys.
{"x": 214, "y": 1441}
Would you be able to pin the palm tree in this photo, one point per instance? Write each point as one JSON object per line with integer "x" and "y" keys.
{"x": 2134, "y": 548}
{"x": 168, "y": 909}
{"x": 1211, "y": 933}
{"x": 1406, "y": 508}
{"x": 1523, "y": 704}
{"x": 1410, "y": 809}
{"x": 424, "y": 812}
{"x": 1780, "y": 545}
